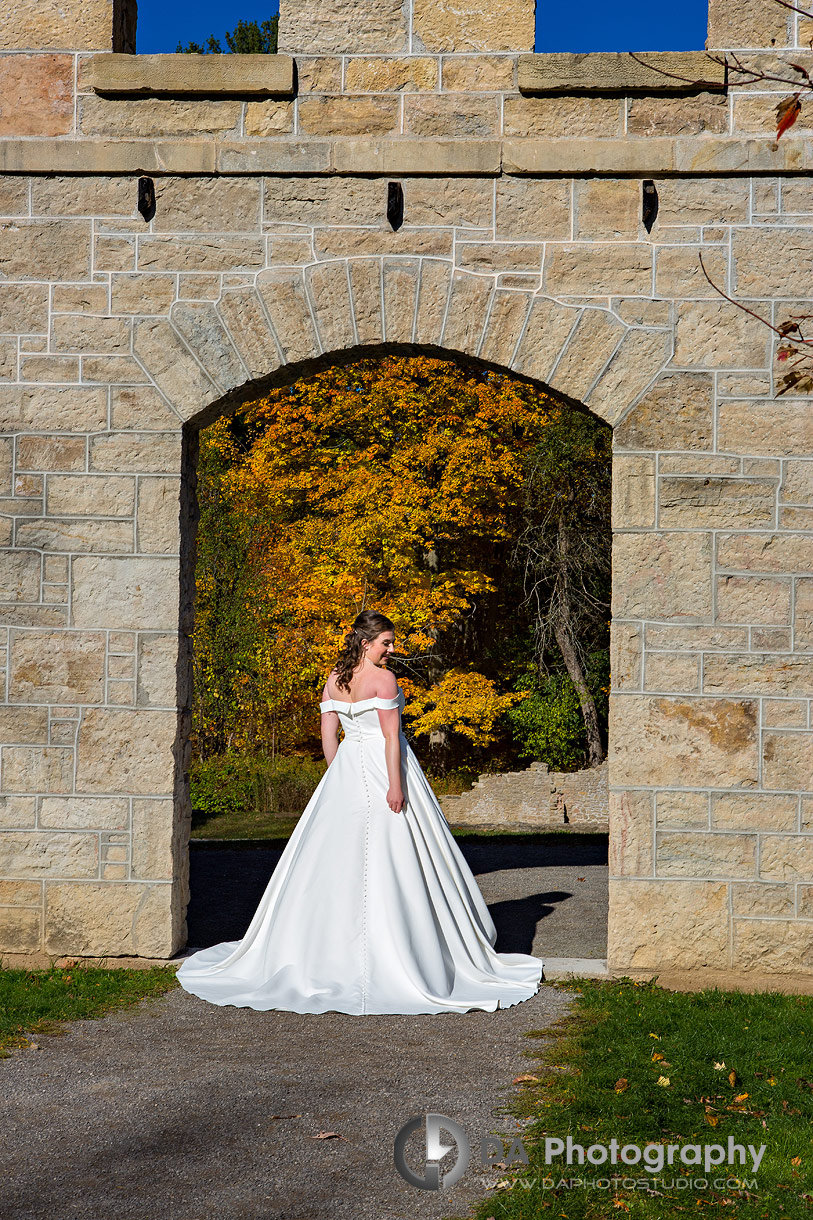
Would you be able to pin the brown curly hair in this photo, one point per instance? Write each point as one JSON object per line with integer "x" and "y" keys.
{"x": 367, "y": 626}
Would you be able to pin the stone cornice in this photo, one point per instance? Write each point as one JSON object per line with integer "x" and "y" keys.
{"x": 621, "y": 73}
{"x": 192, "y": 75}
{"x": 407, "y": 155}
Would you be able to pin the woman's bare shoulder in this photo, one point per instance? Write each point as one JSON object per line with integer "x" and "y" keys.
{"x": 386, "y": 685}
{"x": 330, "y": 688}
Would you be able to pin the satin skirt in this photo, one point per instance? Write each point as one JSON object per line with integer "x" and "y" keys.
{"x": 367, "y": 911}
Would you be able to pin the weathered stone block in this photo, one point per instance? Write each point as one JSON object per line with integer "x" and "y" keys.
{"x": 283, "y": 293}
{"x": 632, "y": 834}
{"x": 157, "y": 670}
{"x": 349, "y": 116}
{"x": 505, "y": 324}
{"x": 753, "y": 811}
{"x": 478, "y": 73}
{"x": 24, "y": 725}
{"x": 85, "y": 813}
{"x": 678, "y": 116}
{"x": 136, "y": 452}
{"x": 84, "y": 333}
{"x": 672, "y": 671}
{"x": 763, "y": 552}
{"x": 269, "y": 118}
{"x": 753, "y": 898}
{"x": 329, "y": 287}
{"x": 19, "y": 576}
{"x": 532, "y": 209}
{"x": 172, "y": 368}
{"x": 37, "y": 93}
{"x": 29, "y": 769}
{"x": 704, "y": 854}
{"x": 678, "y": 272}
{"x": 104, "y": 918}
{"x": 712, "y": 741}
{"x": 49, "y": 534}
{"x": 607, "y": 208}
{"x": 201, "y": 327}
{"x": 548, "y": 329}
{"x": 400, "y": 282}
{"x": 410, "y": 73}
{"x": 45, "y": 250}
{"x": 561, "y": 116}
{"x": 229, "y": 252}
{"x": 465, "y": 25}
{"x": 749, "y": 23}
{"x": 662, "y": 575}
{"x": 787, "y": 761}
{"x": 90, "y": 496}
{"x": 589, "y": 270}
{"x": 639, "y": 358}
{"x": 153, "y": 840}
{"x": 661, "y": 924}
{"x": 94, "y": 25}
{"x": 148, "y": 117}
{"x": 775, "y": 427}
{"x": 126, "y": 752}
{"x": 753, "y": 599}
{"x": 158, "y": 520}
{"x": 56, "y": 666}
{"x": 452, "y": 114}
{"x": 207, "y": 75}
{"x": 715, "y": 334}
{"x": 343, "y": 27}
{"x": 466, "y": 313}
{"x": 129, "y": 593}
{"x": 715, "y": 501}
{"x": 566, "y": 72}
{"x": 683, "y": 810}
{"x": 780, "y": 946}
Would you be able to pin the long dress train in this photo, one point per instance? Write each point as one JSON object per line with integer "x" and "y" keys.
{"x": 367, "y": 911}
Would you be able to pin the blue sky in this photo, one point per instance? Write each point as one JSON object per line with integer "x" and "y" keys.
{"x": 586, "y": 25}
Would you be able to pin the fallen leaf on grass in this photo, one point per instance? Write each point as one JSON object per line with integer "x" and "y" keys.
{"x": 521, "y": 1079}
{"x": 622, "y": 1084}
{"x": 664, "y": 1082}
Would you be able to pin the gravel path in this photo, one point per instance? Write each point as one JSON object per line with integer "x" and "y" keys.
{"x": 182, "y": 1110}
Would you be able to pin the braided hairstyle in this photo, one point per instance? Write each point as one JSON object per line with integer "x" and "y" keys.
{"x": 367, "y": 626}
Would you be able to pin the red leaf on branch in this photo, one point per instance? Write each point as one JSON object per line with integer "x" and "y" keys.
{"x": 787, "y": 112}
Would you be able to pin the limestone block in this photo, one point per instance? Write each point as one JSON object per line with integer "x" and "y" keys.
{"x": 172, "y": 367}
{"x": 377, "y": 26}
{"x": 24, "y": 307}
{"x": 465, "y": 25}
{"x": 639, "y": 358}
{"x": 157, "y": 670}
{"x": 777, "y": 946}
{"x": 678, "y": 272}
{"x": 589, "y": 270}
{"x": 122, "y": 751}
{"x": 488, "y": 257}
{"x": 549, "y": 326}
{"x": 696, "y": 636}
{"x": 355, "y": 242}
{"x": 150, "y": 117}
{"x": 400, "y": 284}
{"x": 715, "y": 334}
{"x": 631, "y": 834}
{"x": 45, "y": 250}
{"x": 20, "y": 929}
{"x": 534, "y": 208}
{"x": 410, "y": 73}
{"x": 505, "y": 324}
{"x": 31, "y": 769}
{"x": 187, "y": 75}
{"x": 200, "y": 205}
{"x": 244, "y": 318}
{"x": 715, "y": 501}
{"x": 658, "y": 924}
{"x": 803, "y": 615}
{"x": 14, "y": 194}
{"x": 50, "y": 453}
{"x": 80, "y": 298}
{"x": 329, "y": 289}
{"x": 158, "y": 519}
{"x": 784, "y": 428}
{"x": 562, "y": 116}
{"x": 761, "y": 552}
{"x": 663, "y": 739}
{"x": 105, "y": 918}
{"x": 96, "y": 195}
{"x": 758, "y": 898}
{"x": 672, "y": 671}
{"x": 686, "y": 853}
{"x": 19, "y": 576}
{"x": 323, "y": 201}
{"x": 128, "y": 593}
{"x": 318, "y": 74}
{"x": 95, "y": 25}
{"x": 784, "y": 713}
{"x": 607, "y": 208}
{"x": 212, "y": 252}
{"x": 56, "y": 667}
{"x": 478, "y": 73}
{"x": 24, "y": 725}
{"x": 753, "y": 811}
{"x": 48, "y": 854}
{"x": 138, "y": 452}
{"x": 617, "y": 72}
{"x": 787, "y": 761}
{"x": 663, "y": 575}
{"x": 50, "y": 534}
{"x": 626, "y": 647}
{"x": 199, "y": 324}
{"x": 49, "y": 368}
{"x": 797, "y": 483}
{"x": 283, "y": 293}
{"x": 350, "y": 116}
{"x": 589, "y": 349}
{"x": 678, "y": 116}
{"x": 753, "y": 599}
{"x": 433, "y": 294}
{"x": 770, "y": 261}
{"x": 749, "y": 23}
{"x": 366, "y": 290}
{"x": 466, "y": 313}
{"x": 452, "y": 114}
{"x": 84, "y": 813}
{"x": 269, "y": 118}
{"x": 88, "y": 496}
{"x": 682, "y": 810}
{"x": 83, "y": 333}
{"x": 140, "y": 407}
{"x": 444, "y": 201}
{"x": 153, "y": 840}
{"x": 37, "y": 93}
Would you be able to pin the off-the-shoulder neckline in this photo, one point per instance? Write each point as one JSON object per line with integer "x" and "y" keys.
{"x": 360, "y": 702}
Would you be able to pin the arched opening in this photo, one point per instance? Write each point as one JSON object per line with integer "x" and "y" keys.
{"x": 474, "y": 504}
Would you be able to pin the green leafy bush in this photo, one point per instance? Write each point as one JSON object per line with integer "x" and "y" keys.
{"x": 548, "y": 725}
{"x": 234, "y": 783}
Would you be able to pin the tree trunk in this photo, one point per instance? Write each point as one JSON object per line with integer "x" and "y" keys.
{"x": 563, "y": 630}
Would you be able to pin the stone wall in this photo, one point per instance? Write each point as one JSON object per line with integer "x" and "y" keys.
{"x": 533, "y": 799}
{"x": 523, "y": 247}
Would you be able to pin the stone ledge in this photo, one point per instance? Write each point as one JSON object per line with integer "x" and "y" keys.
{"x": 193, "y": 75}
{"x": 407, "y": 156}
{"x": 619, "y": 73}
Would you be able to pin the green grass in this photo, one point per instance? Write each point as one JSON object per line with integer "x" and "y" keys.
{"x": 34, "y": 1002}
{"x": 595, "y": 1076}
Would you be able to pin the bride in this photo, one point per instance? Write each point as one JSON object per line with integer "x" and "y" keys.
{"x": 372, "y": 907}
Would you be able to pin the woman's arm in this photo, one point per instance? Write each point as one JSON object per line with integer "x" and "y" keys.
{"x": 390, "y": 721}
{"x": 330, "y": 735}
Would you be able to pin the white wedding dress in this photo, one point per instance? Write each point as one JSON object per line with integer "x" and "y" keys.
{"x": 367, "y": 911}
